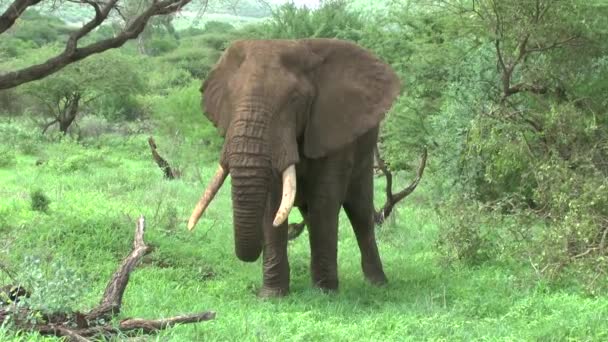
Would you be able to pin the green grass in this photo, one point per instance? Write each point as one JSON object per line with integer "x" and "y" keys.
{"x": 97, "y": 191}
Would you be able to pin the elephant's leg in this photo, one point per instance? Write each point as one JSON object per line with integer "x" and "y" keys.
{"x": 326, "y": 188}
{"x": 359, "y": 208}
{"x": 276, "y": 264}
{"x": 323, "y": 235}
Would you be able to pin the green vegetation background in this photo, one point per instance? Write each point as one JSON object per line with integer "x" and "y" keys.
{"x": 504, "y": 239}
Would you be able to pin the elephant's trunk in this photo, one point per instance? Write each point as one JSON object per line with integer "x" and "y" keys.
{"x": 248, "y": 156}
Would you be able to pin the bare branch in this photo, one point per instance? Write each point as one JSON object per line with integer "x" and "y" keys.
{"x": 98, "y": 323}
{"x": 100, "y": 16}
{"x": 73, "y": 53}
{"x": 48, "y": 125}
{"x": 554, "y": 45}
{"x": 111, "y": 301}
{"x": 392, "y": 199}
{"x": 523, "y": 87}
{"x": 410, "y": 188}
{"x": 13, "y": 12}
{"x": 168, "y": 171}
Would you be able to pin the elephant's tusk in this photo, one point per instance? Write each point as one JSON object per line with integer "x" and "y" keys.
{"x": 212, "y": 188}
{"x": 289, "y": 195}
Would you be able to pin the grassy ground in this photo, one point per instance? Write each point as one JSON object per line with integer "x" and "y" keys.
{"x": 98, "y": 190}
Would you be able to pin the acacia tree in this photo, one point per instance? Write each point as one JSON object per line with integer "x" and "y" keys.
{"x": 63, "y": 95}
{"x": 104, "y": 11}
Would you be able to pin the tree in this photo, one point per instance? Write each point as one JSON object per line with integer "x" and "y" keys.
{"x": 64, "y": 94}
{"x": 103, "y": 11}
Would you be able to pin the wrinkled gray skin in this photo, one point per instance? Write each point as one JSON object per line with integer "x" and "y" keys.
{"x": 315, "y": 103}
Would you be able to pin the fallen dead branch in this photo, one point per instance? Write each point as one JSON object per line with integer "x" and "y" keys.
{"x": 168, "y": 171}
{"x": 97, "y": 322}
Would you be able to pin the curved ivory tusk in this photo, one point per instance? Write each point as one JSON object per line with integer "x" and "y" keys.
{"x": 289, "y": 195}
{"x": 212, "y": 188}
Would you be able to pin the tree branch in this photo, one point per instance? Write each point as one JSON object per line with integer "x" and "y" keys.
{"x": 168, "y": 171}
{"x": 14, "y": 11}
{"x": 73, "y": 53}
{"x": 392, "y": 199}
{"x": 98, "y": 322}
{"x": 48, "y": 125}
{"x": 111, "y": 301}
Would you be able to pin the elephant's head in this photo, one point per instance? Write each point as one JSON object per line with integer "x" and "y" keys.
{"x": 276, "y": 101}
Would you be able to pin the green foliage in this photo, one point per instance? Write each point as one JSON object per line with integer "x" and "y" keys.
{"x": 180, "y": 114}
{"x": 55, "y": 286}
{"x": 13, "y": 47}
{"x": 106, "y": 85}
{"x": 161, "y": 45}
{"x": 469, "y": 233}
{"x": 332, "y": 20}
{"x": 7, "y": 156}
{"x": 197, "y": 56}
{"x": 39, "y": 201}
{"x": 527, "y": 154}
{"x": 39, "y": 29}
{"x": 90, "y": 229}
{"x": 217, "y": 27}
{"x": 513, "y": 199}
{"x": 77, "y": 161}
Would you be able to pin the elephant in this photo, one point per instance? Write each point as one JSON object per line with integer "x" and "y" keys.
{"x": 300, "y": 120}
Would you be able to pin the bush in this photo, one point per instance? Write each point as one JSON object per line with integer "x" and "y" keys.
{"x": 39, "y": 201}
{"x": 7, "y": 156}
{"x": 54, "y": 286}
{"x": 161, "y": 45}
{"x": 332, "y": 20}
{"x": 165, "y": 76}
{"x": 468, "y": 233}
{"x": 220, "y": 27}
{"x": 39, "y": 29}
{"x": 191, "y": 32}
{"x": 196, "y": 57}
{"x": 180, "y": 114}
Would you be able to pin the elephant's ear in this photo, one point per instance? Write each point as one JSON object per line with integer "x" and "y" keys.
{"x": 354, "y": 91}
{"x": 217, "y": 103}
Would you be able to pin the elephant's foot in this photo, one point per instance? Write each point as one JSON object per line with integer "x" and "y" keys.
{"x": 269, "y": 292}
{"x": 375, "y": 276}
{"x": 325, "y": 285}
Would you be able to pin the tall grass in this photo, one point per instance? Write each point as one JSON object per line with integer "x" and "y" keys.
{"x": 89, "y": 224}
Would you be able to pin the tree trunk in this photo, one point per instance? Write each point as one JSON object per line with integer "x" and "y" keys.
{"x": 69, "y": 113}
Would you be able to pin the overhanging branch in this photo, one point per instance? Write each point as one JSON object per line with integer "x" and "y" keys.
{"x": 14, "y": 11}
{"x": 72, "y": 52}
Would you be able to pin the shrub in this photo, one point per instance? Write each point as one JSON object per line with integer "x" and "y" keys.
{"x": 161, "y": 45}
{"x": 332, "y": 20}
{"x": 468, "y": 233}
{"x": 180, "y": 114}
{"x": 195, "y": 57}
{"x": 214, "y": 26}
{"x": 54, "y": 286}
{"x": 7, "y": 156}
{"x": 39, "y": 201}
